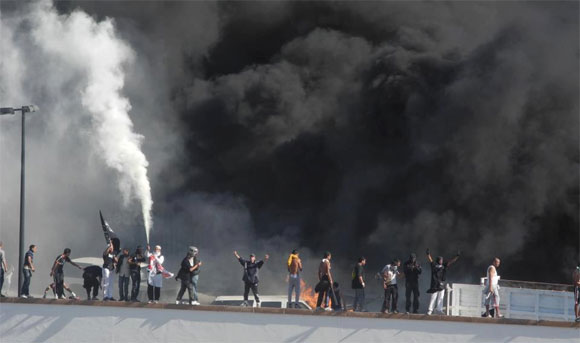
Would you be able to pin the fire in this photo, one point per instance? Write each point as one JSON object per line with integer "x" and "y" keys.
{"x": 308, "y": 294}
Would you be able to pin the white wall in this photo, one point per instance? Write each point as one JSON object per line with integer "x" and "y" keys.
{"x": 67, "y": 323}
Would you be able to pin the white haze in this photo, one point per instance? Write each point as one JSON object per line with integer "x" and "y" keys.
{"x": 80, "y": 48}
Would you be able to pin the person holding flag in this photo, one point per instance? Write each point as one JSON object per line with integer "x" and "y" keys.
{"x": 156, "y": 274}
{"x": 109, "y": 264}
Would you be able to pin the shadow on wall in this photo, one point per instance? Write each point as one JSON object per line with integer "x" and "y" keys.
{"x": 40, "y": 323}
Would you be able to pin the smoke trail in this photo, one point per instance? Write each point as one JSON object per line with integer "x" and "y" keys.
{"x": 92, "y": 48}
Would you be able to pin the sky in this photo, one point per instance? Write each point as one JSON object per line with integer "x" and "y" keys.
{"x": 361, "y": 128}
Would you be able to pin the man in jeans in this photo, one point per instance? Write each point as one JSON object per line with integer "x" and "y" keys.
{"x": 390, "y": 274}
{"x": 27, "y": 271}
{"x": 3, "y": 269}
{"x": 185, "y": 274}
{"x": 124, "y": 274}
{"x": 135, "y": 271}
{"x": 358, "y": 284}
{"x": 294, "y": 269}
{"x": 195, "y": 274}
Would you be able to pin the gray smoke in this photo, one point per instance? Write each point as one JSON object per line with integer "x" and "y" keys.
{"x": 361, "y": 128}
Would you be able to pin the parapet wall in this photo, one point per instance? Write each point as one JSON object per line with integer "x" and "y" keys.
{"x": 37, "y": 320}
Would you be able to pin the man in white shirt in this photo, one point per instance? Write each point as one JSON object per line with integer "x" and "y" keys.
{"x": 491, "y": 290}
{"x": 390, "y": 273}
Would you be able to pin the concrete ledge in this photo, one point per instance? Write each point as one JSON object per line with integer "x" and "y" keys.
{"x": 347, "y": 314}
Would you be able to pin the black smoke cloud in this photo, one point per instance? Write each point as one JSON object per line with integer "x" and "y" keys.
{"x": 375, "y": 128}
{"x": 380, "y": 128}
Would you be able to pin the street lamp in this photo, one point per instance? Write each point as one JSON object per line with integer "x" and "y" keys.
{"x": 23, "y": 110}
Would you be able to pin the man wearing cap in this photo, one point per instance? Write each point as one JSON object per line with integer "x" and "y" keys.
{"x": 185, "y": 274}
{"x": 412, "y": 270}
{"x": 250, "y": 277}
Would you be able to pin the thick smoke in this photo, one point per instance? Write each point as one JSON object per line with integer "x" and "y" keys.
{"x": 91, "y": 51}
{"x": 82, "y": 151}
{"x": 378, "y": 129}
{"x": 373, "y": 128}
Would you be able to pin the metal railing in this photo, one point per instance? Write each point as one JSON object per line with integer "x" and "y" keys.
{"x": 519, "y": 303}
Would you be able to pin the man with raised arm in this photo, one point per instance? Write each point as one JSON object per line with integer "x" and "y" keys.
{"x": 109, "y": 264}
{"x": 57, "y": 271}
{"x": 250, "y": 276}
{"x": 437, "y": 289}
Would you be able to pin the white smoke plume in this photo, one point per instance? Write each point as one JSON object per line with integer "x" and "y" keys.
{"x": 93, "y": 50}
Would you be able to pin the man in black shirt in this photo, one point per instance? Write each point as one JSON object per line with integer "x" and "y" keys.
{"x": 135, "y": 269}
{"x": 412, "y": 271}
{"x": 250, "y": 277}
{"x": 185, "y": 274}
{"x": 109, "y": 263}
{"x": 57, "y": 271}
{"x": 438, "y": 274}
{"x": 358, "y": 284}
{"x": 27, "y": 271}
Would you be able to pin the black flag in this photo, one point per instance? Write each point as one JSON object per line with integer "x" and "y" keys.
{"x": 110, "y": 235}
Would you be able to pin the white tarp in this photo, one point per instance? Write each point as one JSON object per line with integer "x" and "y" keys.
{"x": 66, "y": 323}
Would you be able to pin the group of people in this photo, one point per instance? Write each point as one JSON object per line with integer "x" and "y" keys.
{"x": 128, "y": 268}
{"x": 328, "y": 290}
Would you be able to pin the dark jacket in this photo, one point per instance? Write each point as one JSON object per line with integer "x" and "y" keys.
{"x": 251, "y": 270}
{"x": 184, "y": 273}
{"x": 412, "y": 271}
{"x": 136, "y": 259}
{"x": 92, "y": 276}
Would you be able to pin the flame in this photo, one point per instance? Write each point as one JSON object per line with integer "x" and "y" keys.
{"x": 308, "y": 294}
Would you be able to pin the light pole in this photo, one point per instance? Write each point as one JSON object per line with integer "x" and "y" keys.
{"x": 23, "y": 110}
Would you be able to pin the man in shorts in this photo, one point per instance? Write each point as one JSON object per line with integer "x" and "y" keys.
{"x": 491, "y": 290}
